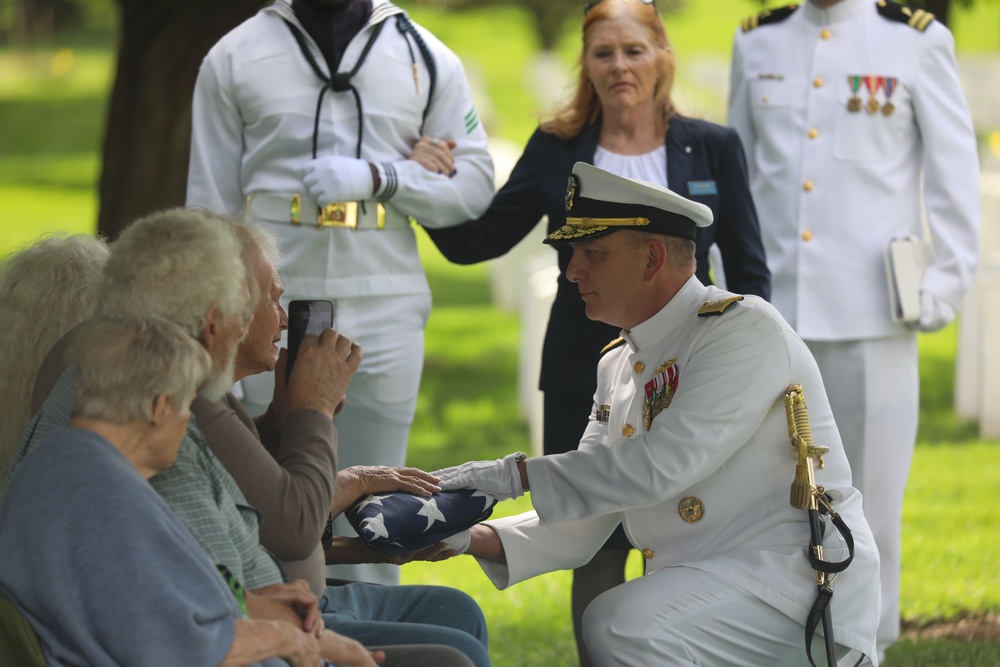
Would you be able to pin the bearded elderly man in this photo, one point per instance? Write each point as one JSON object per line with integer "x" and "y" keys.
{"x": 285, "y": 463}
{"x": 688, "y": 447}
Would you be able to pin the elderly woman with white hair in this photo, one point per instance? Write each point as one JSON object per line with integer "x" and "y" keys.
{"x": 285, "y": 463}
{"x": 46, "y": 289}
{"x": 160, "y": 600}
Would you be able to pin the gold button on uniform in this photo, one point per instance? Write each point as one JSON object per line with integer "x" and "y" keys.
{"x": 813, "y": 133}
{"x": 824, "y": 34}
{"x": 639, "y": 367}
{"x": 765, "y": 99}
{"x": 807, "y": 186}
{"x": 648, "y": 554}
{"x": 691, "y": 509}
{"x": 807, "y": 235}
{"x": 628, "y": 430}
{"x": 818, "y": 82}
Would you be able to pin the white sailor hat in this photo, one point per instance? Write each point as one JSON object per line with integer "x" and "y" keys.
{"x": 599, "y": 202}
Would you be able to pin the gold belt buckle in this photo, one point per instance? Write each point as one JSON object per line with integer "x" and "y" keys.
{"x": 345, "y": 214}
{"x": 339, "y": 214}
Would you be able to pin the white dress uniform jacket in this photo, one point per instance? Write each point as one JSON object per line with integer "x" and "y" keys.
{"x": 253, "y": 113}
{"x": 832, "y": 186}
{"x": 717, "y": 453}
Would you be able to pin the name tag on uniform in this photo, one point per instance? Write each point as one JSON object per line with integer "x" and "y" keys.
{"x": 696, "y": 188}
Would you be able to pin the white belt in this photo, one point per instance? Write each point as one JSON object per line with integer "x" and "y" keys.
{"x": 296, "y": 210}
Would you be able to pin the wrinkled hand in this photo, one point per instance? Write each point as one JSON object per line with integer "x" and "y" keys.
{"x": 297, "y": 596}
{"x": 336, "y": 178}
{"x": 305, "y": 650}
{"x": 435, "y": 155}
{"x": 381, "y": 479}
{"x": 935, "y": 313}
{"x": 360, "y": 481}
{"x": 323, "y": 369}
{"x": 353, "y": 550}
{"x": 342, "y": 650}
{"x": 499, "y": 478}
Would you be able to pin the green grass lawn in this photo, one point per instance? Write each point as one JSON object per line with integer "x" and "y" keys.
{"x": 52, "y": 112}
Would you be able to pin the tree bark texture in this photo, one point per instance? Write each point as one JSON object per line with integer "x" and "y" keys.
{"x": 147, "y": 136}
{"x": 941, "y": 9}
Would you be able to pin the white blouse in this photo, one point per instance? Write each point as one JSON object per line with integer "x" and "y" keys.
{"x": 650, "y": 167}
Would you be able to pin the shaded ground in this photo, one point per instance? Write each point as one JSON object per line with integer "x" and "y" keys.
{"x": 984, "y": 629}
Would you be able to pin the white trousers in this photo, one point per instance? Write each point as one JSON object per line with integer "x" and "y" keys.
{"x": 374, "y": 426}
{"x": 874, "y": 391}
{"x": 684, "y": 616}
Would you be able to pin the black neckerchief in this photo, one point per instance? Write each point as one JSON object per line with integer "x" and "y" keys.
{"x": 332, "y": 29}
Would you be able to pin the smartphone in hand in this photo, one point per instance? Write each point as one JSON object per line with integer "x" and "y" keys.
{"x": 306, "y": 317}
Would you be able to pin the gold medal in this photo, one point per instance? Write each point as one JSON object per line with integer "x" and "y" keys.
{"x": 890, "y": 87}
{"x": 873, "y": 83}
{"x": 854, "y": 104}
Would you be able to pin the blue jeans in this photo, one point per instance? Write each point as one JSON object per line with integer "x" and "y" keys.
{"x": 389, "y": 615}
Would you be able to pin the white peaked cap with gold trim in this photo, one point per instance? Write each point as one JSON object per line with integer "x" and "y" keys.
{"x": 599, "y": 202}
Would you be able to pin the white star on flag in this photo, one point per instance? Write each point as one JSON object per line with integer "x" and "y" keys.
{"x": 489, "y": 499}
{"x": 376, "y": 525}
{"x": 371, "y": 500}
{"x": 431, "y": 511}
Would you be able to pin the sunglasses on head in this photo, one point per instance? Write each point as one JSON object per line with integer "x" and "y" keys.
{"x": 593, "y": 3}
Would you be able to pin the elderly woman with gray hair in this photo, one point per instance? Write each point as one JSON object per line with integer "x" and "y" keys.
{"x": 46, "y": 289}
{"x": 285, "y": 463}
{"x": 159, "y": 600}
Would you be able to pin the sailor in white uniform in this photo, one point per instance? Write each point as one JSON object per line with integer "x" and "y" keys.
{"x": 855, "y": 126}
{"x": 321, "y": 160}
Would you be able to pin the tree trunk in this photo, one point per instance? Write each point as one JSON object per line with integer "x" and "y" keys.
{"x": 147, "y": 137}
{"x": 939, "y": 8}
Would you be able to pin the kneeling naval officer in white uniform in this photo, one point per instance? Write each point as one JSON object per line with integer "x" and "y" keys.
{"x": 689, "y": 447}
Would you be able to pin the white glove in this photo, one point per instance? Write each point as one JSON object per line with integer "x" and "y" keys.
{"x": 459, "y": 542}
{"x": 935, "y": 313}
{"x": 498, "y": 478}
{"x": 336, "y": 178}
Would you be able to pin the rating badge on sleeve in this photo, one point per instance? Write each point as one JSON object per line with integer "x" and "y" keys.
{"x": 660, "y": 390}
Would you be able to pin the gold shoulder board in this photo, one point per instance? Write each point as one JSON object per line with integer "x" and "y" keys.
{"x": 917, "y": 19}
{"x": 613, "y": 344}
{"x": 767, "y": 17}
{"x": 718, "y": 306}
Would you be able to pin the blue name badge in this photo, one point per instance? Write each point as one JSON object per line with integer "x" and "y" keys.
{"x": 696, "y": 188}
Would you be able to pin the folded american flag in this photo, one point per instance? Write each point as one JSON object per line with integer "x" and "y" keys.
{"x": 398, "y": 523}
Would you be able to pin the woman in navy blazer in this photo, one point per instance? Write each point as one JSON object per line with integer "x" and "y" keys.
{"x": 622, "y": 104}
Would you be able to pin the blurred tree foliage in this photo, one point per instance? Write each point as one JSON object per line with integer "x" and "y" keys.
{"x": 549, "y": 16}
{"x": 25, "y": 22}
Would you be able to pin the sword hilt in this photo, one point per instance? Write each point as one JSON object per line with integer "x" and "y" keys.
{"x": 802, "y": 494}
